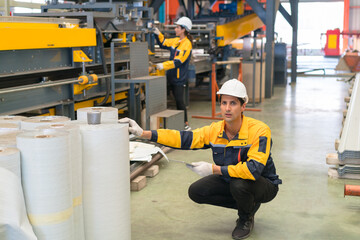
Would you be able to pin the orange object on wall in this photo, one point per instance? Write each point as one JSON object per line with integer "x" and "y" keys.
{"x": 171, "y": 8}
{"x": 332, "y": 47}
{"x": 215, "y": 6}
{"x": 248, "y": 8}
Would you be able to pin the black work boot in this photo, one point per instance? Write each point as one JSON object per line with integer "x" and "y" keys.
{"x": 243, "y": 228}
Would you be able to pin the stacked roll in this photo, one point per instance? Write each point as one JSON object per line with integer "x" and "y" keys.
{"x": 12, "y": 119}
{"x": 34, "y": 122}
{"x": 76, "y": 172}
{"x": 8, "y": 133}
{"x": 10, "y": 160}
{"x": 9, "y": 139}
{"x": 46, "y": 180}
{"x": 14, "y": 224}
{"x": 6, "y": 128}
{"x": 106, "y": 181}
{"x": 108, "y": 114}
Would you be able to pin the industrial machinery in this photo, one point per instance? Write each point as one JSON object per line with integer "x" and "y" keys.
{"x": 214, "y": 31}
{"x": 59, "y": 60}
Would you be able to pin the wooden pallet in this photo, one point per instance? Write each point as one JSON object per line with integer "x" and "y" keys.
{"x": 140, "y": 181}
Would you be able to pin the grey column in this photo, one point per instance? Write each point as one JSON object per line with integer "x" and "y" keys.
{"x": 191, "y": 9}
{"x": 294, "y": 17}
{"x": 269, "y": 47}
{"x": 7, "y": 7}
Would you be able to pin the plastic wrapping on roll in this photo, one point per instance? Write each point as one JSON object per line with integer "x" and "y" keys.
{"x": 106, "y": 185}
{"x": 12, "y": 119}
{"x": 6, "y": 128}
{"x": 14, "y": 223}
{"x": 46, "y": 180}
{"x": 10, "y": 160}
{"x": 108, "y": 114}
{"x": 9, "y": 139}
{"x": 34, "y": 122}
{"x": 76, "y": 171}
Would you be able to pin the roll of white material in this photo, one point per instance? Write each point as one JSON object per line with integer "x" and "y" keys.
{"x": 10, "y": 160}
{"x": 46, "y": 180}
{"x": 106, "y": 184}
{"x": 12, "y": 119}
{"x": 34, "y": 122}
{"x": 14, "y": 224}
{"x": 108, "y": 114}
{"x": 9, "y": 139}
{"x": 76, "y": 172}
{"x": 6, "y": 128}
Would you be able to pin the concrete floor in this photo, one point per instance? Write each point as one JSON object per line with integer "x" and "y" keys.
{"x": 305, "y": 120}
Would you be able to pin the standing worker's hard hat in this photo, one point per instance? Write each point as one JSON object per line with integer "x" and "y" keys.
{"x": 185, "y": 22}
{"x": 234, "y": 88}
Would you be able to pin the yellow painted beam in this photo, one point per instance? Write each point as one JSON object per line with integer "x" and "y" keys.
{"x": 34, "y": 25}
{"x": 90, "y": 103}
{"x": 37, "y": 38}
{"x": 237, "y": 29}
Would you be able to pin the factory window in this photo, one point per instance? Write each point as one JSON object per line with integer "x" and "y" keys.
{"x": 312, "y": 21}
{"x": 28, "y": 6}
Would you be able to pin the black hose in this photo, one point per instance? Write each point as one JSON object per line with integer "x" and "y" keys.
{"x": 103, "y": 60}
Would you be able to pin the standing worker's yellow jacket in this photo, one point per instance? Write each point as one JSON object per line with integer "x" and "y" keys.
{"x": 180, "y": 55}
{"x": 246, "y": 156}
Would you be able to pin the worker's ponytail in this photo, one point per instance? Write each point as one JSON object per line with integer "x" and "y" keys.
{"x": 188, "y": 35}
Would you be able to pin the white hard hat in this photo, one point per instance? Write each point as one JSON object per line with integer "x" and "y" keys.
{"x": 234, "y": 88}
{"x": 184, "y": 22}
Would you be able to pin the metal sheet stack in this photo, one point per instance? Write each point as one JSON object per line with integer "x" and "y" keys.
{"x": 347, "y": 158}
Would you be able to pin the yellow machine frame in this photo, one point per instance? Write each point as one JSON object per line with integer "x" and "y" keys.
{"x": 28, "y": 35}
{"x": 237, "y": 29}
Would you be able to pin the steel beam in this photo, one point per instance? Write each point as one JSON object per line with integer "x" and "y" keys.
{"x": 271, "y": 9}
{"x": 182, "y": 3}
{"x": 258, "y": 9}
{"x": 155, "y": 4}
{"x": 285, "y": 14}
{"x": 191, "y": 9}
{"x": 294, "y": 18}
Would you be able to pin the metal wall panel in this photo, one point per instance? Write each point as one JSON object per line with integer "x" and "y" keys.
{"x": 23, "y": 101}
{"x": 354, "y": 16}
{"x": 139, "y": 59}
{"x": 34, "y": 60}
{"x": 156, "y": 99}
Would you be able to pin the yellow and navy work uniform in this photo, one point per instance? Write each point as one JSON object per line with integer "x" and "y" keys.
{"x": 180, "y": 55}
{"x": 246, "y": 156}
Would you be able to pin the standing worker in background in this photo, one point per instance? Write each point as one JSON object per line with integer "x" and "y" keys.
{"x": 178, "y": 65}
{"x": 244, "y": 174}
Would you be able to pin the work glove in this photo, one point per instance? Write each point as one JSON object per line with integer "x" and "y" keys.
{"x": 134, "y": 128}
{"x": 202, "y": 168}
{"x": 156, "y": 31}
{"x": 159, "y": 66}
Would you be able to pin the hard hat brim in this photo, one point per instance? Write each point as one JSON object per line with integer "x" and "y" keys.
{"x": 246, "y": 98}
